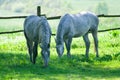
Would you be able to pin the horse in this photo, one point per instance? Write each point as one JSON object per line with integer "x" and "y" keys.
{"x": 76, "y": 25}
{"x": 37, "y": 31}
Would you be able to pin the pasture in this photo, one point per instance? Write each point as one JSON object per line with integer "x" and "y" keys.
{"x": 14, "y": 58}
{"x": 15, "y": 64}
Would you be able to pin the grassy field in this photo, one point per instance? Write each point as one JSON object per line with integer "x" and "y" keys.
{"x": 15, "y": 64}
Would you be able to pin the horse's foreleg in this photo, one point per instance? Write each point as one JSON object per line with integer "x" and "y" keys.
{"x": 68, "y": 46}
{"x": 87, "y": 44}
{"x": 35, "y": 53}
{"x": 94, "y": 34}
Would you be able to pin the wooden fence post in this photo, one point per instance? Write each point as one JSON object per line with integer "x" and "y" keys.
{"x": 38, "y": 11}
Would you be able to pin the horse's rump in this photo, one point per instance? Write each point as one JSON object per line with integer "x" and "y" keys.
{"x": 31, "y": 27}
{"x": 36, "y": 27}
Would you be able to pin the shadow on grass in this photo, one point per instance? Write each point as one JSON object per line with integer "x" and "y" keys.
{"x": 18, "y": 66}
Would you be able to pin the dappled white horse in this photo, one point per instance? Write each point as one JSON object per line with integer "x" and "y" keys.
{"x": 37, "y": 30}
{"x": 76, "y": 25}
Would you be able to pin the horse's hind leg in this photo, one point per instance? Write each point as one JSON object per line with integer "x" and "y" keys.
{"x": 29, "y": 45}
{"x": 35, "y": 53}
{"x": 30, "y": 48}
{"x": 94, "y": 34}
{"x": 87, "y": 44}
{"x": 68, "y": 46}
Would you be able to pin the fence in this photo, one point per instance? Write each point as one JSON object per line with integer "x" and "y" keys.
{"x": 52, "y": 18}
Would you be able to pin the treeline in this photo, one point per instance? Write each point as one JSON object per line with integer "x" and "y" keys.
{"x": 54, "y": 7}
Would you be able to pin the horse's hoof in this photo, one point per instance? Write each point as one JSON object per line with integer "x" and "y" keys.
{"x": 44, "y": 66}
{"x": 69, "y": 56}
{"x": 60, "y": 56}
{"x": 97, "y": 56}
{"x": 87, "y": 56}
{"x": 30, "y": 60}
{"x": 33, "y": 62}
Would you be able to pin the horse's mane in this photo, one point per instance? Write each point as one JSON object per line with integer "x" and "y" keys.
{"x": 60, "y": 29}
{"x": 46, "y": 31}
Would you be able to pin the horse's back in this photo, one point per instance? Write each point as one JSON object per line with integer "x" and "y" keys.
{"x": 79, "y": 24}
{"x": 85, "y": 19}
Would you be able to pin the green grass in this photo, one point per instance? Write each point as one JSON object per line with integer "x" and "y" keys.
{"x": 15, "y": 64}
{"x": 11, "y": 24}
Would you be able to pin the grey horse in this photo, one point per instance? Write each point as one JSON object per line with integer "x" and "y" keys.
{"x": 76, "y": 25}
{"x": 37, "y": 30}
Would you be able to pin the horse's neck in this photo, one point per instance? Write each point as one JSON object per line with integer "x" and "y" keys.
{"x": 59, "y": 38}
{"x": 60, "y": 32}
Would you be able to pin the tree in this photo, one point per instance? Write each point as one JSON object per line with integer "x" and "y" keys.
{"x": 102, "y": 8}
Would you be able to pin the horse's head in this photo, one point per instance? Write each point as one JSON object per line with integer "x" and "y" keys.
{"x": 60, "y": 49}
{"x": 46, "y": 54}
